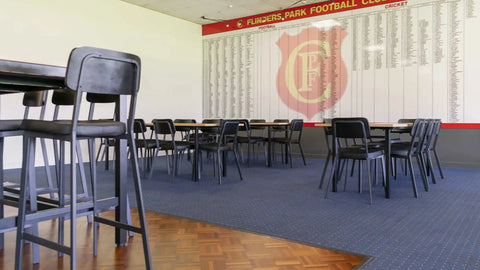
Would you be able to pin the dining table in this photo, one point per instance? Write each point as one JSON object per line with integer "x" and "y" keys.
{"x": 387, "y": 128}
{"x": 20, "y": 77}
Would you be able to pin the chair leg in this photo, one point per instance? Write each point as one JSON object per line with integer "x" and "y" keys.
{"x": 395, "y": 168}
{"x": 235, "y": 154}
{"x": 107, "y": 155}
{"x": 430, "y": 166}
{"x": 332, "y": 173}
{"x": 438, "y": 163}
{"x": 367, "y": 164}
{"x": 219, "y": 166}
{"x": 174, "y": 165}
{"x": 360, "y": 189}
{"x": 410, "y": 165}
{"x": 153, "y": 164}
{"x": 422, "y": 171}
{"x": 289, "y": 152}
{"x": 384, "y": 175}
{"x": 99, "y": 150}
{"x": 301, "y": 152}
{"x": 141, "y": 209}
{"x": 325, "y": 169}
{"x": 249, "y": 145}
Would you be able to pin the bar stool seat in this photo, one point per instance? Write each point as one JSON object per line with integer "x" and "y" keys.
{"x": 86, "y": 128}
{"x": 8, "y": 125}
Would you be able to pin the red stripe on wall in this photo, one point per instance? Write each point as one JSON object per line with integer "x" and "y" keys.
{"x": 296, "y": 13}
{"x": 444, "y": 125}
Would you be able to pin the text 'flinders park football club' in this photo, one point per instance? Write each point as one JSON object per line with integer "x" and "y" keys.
{"x": 293, "y": 14}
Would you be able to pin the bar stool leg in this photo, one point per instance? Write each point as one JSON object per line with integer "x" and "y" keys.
{"x": 141, "y": 209}
{"x": 27, "y": 177}
{"x": 73, "y": 203}
{"x": 2, "y": 214}
{"x": 61, "y": 194}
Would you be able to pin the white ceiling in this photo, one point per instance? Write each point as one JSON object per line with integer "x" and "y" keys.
{"x": 193, "y": 10}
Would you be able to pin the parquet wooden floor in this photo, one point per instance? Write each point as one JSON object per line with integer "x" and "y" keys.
{"x": 178, "y": 243}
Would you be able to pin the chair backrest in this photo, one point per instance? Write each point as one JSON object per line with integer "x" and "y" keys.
{"x": 429, "y": 134}
{"x": 280, "y": 121}
{"x": 295, "y": 129}
{"x": 228, "y": 129}
{"x": 187, "y": 121}
{"x": 211, "y": 130}
{"x": 415, "y": 125}
{"x": 105, "y": 72}
{"x": 362, "y": 119}
{"x": 348, "y": 128}
{"x": 258, "y": 130}
{"x": 419, "y": 129}
{"x": 244, "y": 124}
{"x": 436, "y": 133}
{"x": 328, "y": 132}
{"x": 164, "y": 127}
{"x": 406, "y": 120}
{"x": 34, "y": 99}
{"x": 139, "y": 126}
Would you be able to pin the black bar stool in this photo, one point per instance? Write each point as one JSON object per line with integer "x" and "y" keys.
{"x": 90, "y": 70}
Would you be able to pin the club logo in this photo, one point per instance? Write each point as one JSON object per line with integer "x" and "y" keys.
{"x": 312, "y": 76}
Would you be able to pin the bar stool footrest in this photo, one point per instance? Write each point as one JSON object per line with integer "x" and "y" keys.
{"x": 118, "y": 225}
{"x": 47, "y": 243}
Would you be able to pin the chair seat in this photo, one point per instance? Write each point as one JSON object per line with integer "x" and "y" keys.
{"x": 359, "y": 153}
{"x": 401, "y": 149}
{"x": 181, "y": 145}
{"x": 87, "y": 128}
{"x": 7, "y": 125}
{"x": 215, "y": 147}
{"x": 241, "y": 139}
{"x": 149, "y": 143}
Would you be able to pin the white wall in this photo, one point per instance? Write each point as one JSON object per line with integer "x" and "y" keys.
{"x": 46, "y": 31}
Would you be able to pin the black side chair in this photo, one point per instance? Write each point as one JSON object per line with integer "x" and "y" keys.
{"x": 357, "y": 129}
{"x": 294, "y": 136}
{"x": 89, "y": 70}
{"x": 166, "y": 129}
{"x": 225, "y": 141}
{"x": 413, "y": 149}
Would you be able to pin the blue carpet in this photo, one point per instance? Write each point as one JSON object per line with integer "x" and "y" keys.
{"x": 438, "y": 230}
